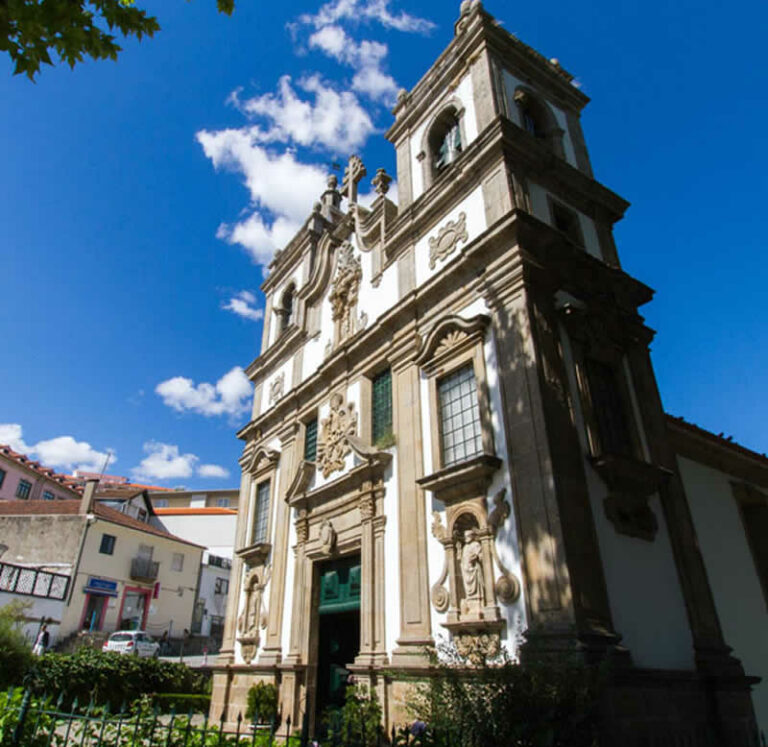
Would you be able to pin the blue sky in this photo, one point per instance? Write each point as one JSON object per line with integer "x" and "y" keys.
{"x": 137, "y": 199}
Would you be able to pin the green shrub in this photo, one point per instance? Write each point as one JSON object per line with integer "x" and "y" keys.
{"x": 15, "y": 653}
{"x": 541, "y": 704}
{"x": 110, "y": 677}
{"x": 359, "y": 720}
{"x": 183, "y": 703}
{"x": 262, "y": 703}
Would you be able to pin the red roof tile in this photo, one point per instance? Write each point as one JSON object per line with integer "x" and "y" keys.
{"x": 25, "y": 461}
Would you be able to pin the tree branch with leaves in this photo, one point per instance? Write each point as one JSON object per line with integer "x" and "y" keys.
{"x": 37, "y": 32}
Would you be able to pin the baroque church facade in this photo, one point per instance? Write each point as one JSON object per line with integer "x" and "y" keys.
{"x": 456, "y": 429}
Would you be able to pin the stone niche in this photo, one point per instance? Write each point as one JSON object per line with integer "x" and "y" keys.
{"x": 466, "y": 591}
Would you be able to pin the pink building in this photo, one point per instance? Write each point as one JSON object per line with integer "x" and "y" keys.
{"x": 22, "y": 478}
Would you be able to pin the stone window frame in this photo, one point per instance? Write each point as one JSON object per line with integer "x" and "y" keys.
{"x": 577, "y": 237}
{"x": 749, "y": 497}
{"x": 528, "y": 100}
{"x": 263, "y": 467}
{"x": 614, "y": 359}
{"x": 428, "y": 173}
{"x": 286, "y": 317}
{"x": 311, "y": 417}
{"x": 453, "y": 343}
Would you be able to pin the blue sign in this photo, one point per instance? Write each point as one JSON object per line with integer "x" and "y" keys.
{"x": 101, "y": 586}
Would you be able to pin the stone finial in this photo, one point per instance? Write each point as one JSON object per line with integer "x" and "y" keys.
{"x": 381, "y": 182}
{"x": 332, "y": 181}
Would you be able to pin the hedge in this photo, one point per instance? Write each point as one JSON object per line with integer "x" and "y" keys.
{"x": 183, "y": 703}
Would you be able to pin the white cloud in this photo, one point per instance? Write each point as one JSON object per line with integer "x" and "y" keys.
{"x": 11, "y": 434}
{"x": 229, "y": 396}
{"x": 366, "y": 10}
{"x": 331, "y": 119}
{"x": 164, "y": 462}
{"x": 243, "y": 305}
{"x": 63, "y": 452}
{"x": 212, "y": 470}
{"x": 366, "y": 57}
{"x": 279, "y": 185}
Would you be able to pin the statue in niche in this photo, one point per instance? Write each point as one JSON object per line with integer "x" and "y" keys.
{"x": 471, "y": 561}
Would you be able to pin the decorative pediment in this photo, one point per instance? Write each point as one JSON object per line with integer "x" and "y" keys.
{"x": 260, "y": 460}
{"x": 451, "y": 335}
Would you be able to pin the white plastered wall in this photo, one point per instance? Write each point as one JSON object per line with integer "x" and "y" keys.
{"x": 540, "y": 209}
{"x": 285, "y": 369}
{"x": 644, "y": 592}
{"x": 739, "y": 599}
{"x": 507, "y": 544}
{"x": 464, "y": 94}
{"x": 473, "y": 206}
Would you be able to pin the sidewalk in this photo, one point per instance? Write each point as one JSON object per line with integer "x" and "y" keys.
{"x": 195, "y": 662}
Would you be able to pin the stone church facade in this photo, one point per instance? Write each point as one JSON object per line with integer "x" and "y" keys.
{"x": 456, "y": 429}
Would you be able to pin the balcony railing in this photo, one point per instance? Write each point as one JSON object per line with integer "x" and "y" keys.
{"x": 17, "y": 579}
{"x": 144, "y": 569}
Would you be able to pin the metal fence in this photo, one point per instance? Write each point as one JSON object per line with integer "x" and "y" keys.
{"x": 17, "y": 579}
{"x": 41, "y": 722}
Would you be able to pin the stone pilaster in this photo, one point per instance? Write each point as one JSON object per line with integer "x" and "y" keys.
{"x": 273, "y": 646}
{"x": 415, "y": 623}
{"x": 227, "y": 651}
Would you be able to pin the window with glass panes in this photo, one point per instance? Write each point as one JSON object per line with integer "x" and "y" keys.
{"x": 23, "y": 489}
{"x": 381, "y": 405}
{"x": 613, "y": 426}
{"x": 261, "y": 513}
{"x": 47, "y": 495}
{"x": 460, "y": 427}
{"x": 310, "y": 441}
{"x": 2, "y": 477}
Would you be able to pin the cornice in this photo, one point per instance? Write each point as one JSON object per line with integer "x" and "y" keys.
{"x": 286, "y": 342}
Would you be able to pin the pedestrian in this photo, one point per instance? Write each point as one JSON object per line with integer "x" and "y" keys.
{"x": 41, "y": 643}
{"x": 164, "y": 643}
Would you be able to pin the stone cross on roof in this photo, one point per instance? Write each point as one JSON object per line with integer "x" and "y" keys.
{"x": 353, "y": 173}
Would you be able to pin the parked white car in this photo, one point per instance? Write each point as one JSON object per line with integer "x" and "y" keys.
{"x": 136, "y": 642}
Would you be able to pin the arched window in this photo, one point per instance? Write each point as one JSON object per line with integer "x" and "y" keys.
{"x": 286, "y": 307}
{"x": 444, "y": 141}
{"x": 537, "y": 119}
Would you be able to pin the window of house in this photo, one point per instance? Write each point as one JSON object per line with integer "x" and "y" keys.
{"x": 566, "y": 220}
{"x": 221, "y": 586}
{"x": 261, "y": 513}
{"x": 310, "y": 441}
{"x": 23, "y": 489}
{"x": 107, "y": 546}
{"x": 2, "y": 477}
{"x": 381, "y": 406}
{"x": 609, "y": 409}
{"x": 142, "y": 514}
{"x": 160, "y": 502}
{"x": 177, "y": 561}
{"x": 460, "y": 427}
{"x": 222, "y": 502}
{"x": 48, "y": 496}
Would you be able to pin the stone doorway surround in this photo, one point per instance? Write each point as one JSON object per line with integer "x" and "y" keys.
{"x": 340, "y": 518}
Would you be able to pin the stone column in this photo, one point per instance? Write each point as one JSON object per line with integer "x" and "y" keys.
{"x": 227, "y": 652}
{"x": 415, "y": 623}
{"x": 272, "y": 652}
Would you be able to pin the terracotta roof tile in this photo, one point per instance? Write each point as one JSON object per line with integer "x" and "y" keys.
{"x": 35, "y": 466}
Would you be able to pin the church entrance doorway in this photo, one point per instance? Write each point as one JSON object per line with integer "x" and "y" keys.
{"x": 338, "y": 631}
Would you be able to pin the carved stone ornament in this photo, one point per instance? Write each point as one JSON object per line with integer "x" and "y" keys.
{"x": 327, "y": 537}
{"x": 507, "y": 585}
{"x": 276, "y": 388}
{"x": 344, "y": 291}
{"x": 477, "y": 648}
{"x": 336, "y": 428}
{"x": 381, "y": 182}
{"x": 448, "y": 238}
{"x": 500, "y": 512}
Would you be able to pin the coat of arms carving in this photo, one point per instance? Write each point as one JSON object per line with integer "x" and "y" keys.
{"x": 336, "y": 428}
{"x": 344, "y": 291}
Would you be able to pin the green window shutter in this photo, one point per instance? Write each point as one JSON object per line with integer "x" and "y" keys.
{"x": 382, "y": 405}
{"x": 310, "y": 441}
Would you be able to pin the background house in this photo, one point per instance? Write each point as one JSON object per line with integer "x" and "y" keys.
{"x": 22, "y": 478}
{"x": 121, "y": 572}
